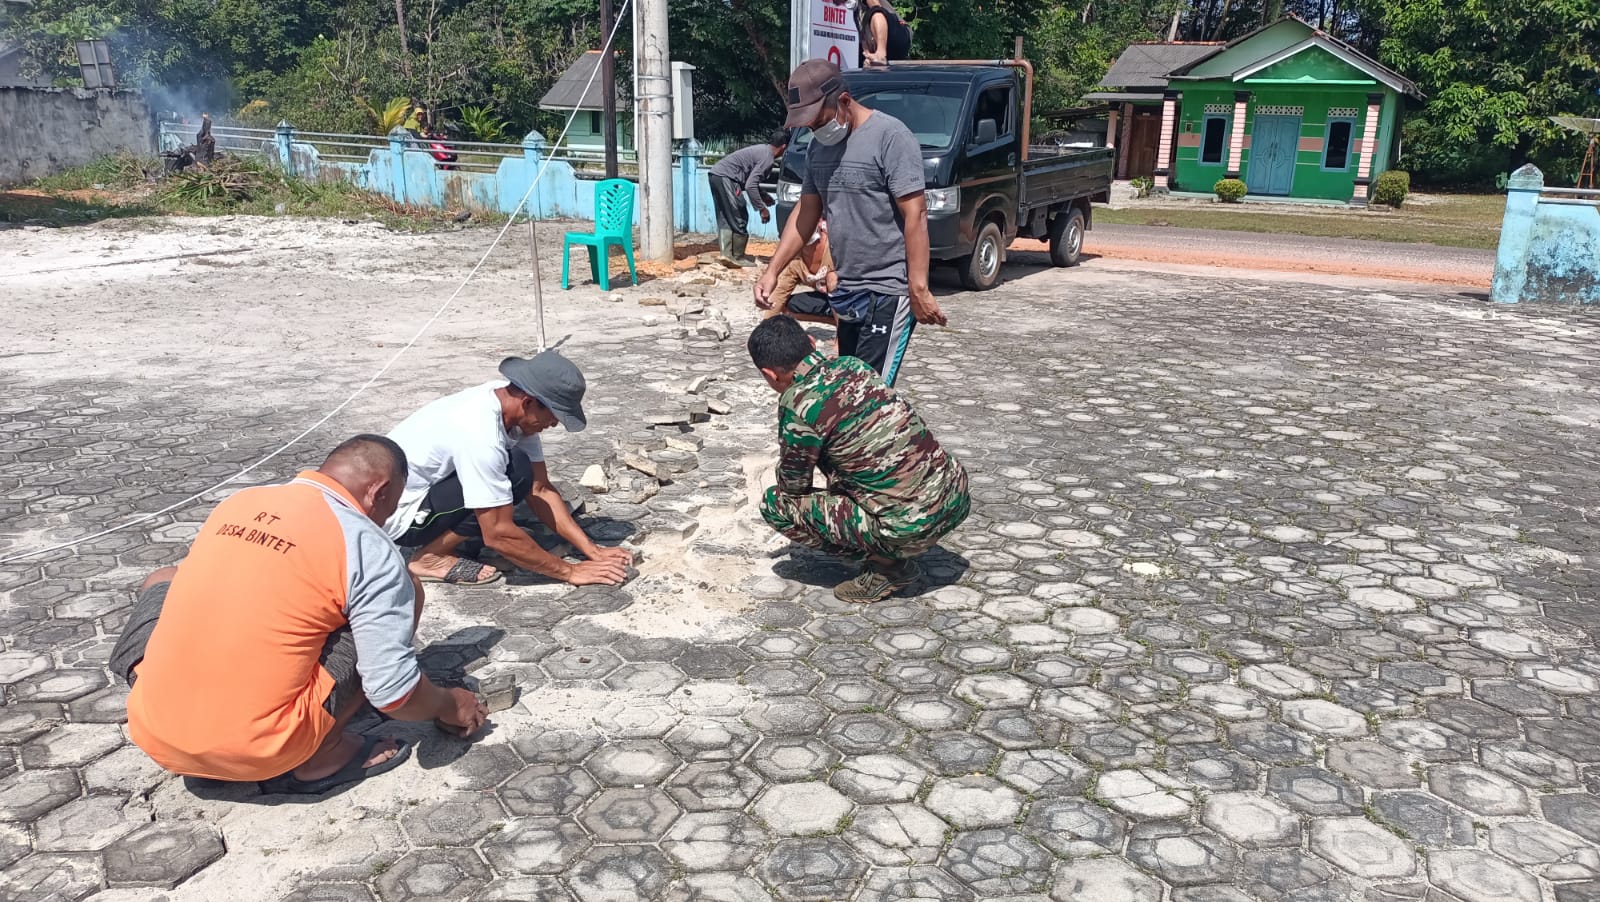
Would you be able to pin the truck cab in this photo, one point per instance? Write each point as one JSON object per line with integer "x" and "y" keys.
{"x": 985, "y": 185}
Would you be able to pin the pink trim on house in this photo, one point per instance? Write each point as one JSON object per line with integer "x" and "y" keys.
{"x": 1238, "y": 140}
{"x": 1111, "y": 130}
{"x": 1189, "y": 139}
{"x": 1169, "y": 108}
{"x": 1310, "y": 144}
{"x": 1368, "y": 143}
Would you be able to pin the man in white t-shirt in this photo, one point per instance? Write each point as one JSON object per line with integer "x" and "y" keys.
{"x": 472, "y": 456}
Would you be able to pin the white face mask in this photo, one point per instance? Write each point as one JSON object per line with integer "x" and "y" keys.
{"x": 830, "y": 133}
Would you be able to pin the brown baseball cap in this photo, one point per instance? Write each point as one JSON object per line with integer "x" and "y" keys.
{"x": 810, "y": 86}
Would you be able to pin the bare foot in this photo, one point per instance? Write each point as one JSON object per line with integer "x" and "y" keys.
{"x": 334, "y": 758}
{"x": 438, "y": 567}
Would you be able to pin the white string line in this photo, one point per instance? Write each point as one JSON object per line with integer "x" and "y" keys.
{"x": 510, "y": 220}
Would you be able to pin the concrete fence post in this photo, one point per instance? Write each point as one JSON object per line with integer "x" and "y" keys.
{"x": 1516, "y": 235}
{"x": 533, "y": 145}
{"x": 397, "y": 161}
{"x": 285, "y": 135}
{"x": 689, "y": 178}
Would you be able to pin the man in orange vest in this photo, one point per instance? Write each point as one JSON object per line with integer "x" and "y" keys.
{"x": 292, "y": 609}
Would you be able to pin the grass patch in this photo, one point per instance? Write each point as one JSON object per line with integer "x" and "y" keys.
{"x": 123, "y": 186}
{"x": 1449, "y": 220}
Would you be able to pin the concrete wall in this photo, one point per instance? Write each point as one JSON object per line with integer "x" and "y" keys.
{"x": 1549, "y": 244}
{"x": 46, "y": 130}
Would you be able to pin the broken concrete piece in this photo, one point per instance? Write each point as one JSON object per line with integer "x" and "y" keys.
{"x": 499, "y": 692}
{"x": 654, "y": 320}
{"x": 698, "y": 384}
{"x": 714, "y": 328}
{"x": 652, "y": 302}
{"x": 642, "y": 441}
{"x": 616, "y": 297}
{"x": 680, "y": 528}
{"x": 718, "y": 406}
{"x": 687, "y": 442}
{"x": 670, "y": 416}
{"x": 686, "y": 306}
{"x": 670, "y": 462}
{"x": 643, "y": 464}
{"x": 594, "y": 479}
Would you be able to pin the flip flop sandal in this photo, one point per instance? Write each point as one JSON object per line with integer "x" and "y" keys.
{"x": 353, "y": 771}
{"x": 465, "y": 572}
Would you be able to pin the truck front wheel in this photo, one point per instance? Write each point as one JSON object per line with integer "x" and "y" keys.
{"x": 1066, "y": 238}
{"x": 981, "y": 270}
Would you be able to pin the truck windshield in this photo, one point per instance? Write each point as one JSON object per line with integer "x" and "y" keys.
{"x": 931, "y": 111}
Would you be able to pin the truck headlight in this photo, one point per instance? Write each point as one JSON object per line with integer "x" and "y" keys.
{"x": 789, "y": 192}
{"x": 943, "y": 200}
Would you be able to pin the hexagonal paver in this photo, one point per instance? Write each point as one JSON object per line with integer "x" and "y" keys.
{"x": 879, "y": 779}
{"x": 547, "y": 789}
{"x": 999, "y": 861}
{"x": 1371, "y": 764}
{"x": 164, "y": 854}
{"x": 1424, "y": 819}
{"x": 847, "y": 694}
{"x": 954, "y": 753}
{"x": 1475, "y": 876}
{"x": 995, "y": 690}
{"x": 1181, "y": 855}
{"x": 862, "y": 734}
{"x": 928, "y": 883}
{"x": 620, "y": 874}
{"x": 555, "y": 746}
{"x": 26, "y": 796}
{"x": 973, "y": 802}
{"x": 1324, "y": 718}
{"x": 89, "y": 824}
{"x": 632, "y": 763}
{"x": 787, "y": 716}
{"x": 1578, "y": 812}
{"x": 1252, "y": 820}
{"x": 629, "y": 815}
{"x": 1043, "y": 773}
{"x": 648, "y": 678}
{"x": 1145, "y": 794}
{"x": 537, "y": 845}
{"x": 1312, "y": 790}
{"x": 1545, "y": 850}
{"x": 895, "y": 834}
{"x": 1077, "y": 828}
{"x": 53, "y": 875}
{"x": 1105, "y": 880}
{"x": 1362, "y": 848}
{"x": 931, "y": 712}
{"x": 812, "y": 870}
{"x": 1478, "y": 790}
{"x": 714, "y": 841}
{"x": 802, "y": 809}
{"x": 457, "y": 820}
{"x": 710, "y": 740}
{"x": 581, "y": 664}
{"x": 434, "y": 874}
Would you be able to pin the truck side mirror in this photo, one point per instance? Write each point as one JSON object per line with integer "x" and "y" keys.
{"x": 986, "y": 132}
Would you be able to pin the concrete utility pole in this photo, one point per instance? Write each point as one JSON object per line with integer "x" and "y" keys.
{"x": 608, "y": 90}
{"x": 652, "y": 60}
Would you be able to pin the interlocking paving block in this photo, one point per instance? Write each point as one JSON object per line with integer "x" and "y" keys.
{"x": 330, "y": 892}
{"x": 1578, "y": 812}
{"x": 1182, "y": 856}
{"x": 619, "y": 874}
{"x": 919, "y": 677}
{"x": 710, "y": 739}
{"x": 1568, "y": 736}
{"x": 164, "y": 853}
{"x": 995, "y": 690}
{"x": 484, "y": 766}
{"x": 1324, "y": 718}
{"x": 1476, "y": 876}
{"x": 714, "y": 786}
{"x": 547, "y": 789}
{"x": 460, "y": 819}
{"x": 974, "y": 801}
{"x": 14, "y": 844}
{"x": 1145, "y": 794}
{"x": 896, "y": 834}
{"x": 1546, "y": 850}
{"x": 536, "y": 845}
{"x": 67, "y": 876}
{"x": 1424, "y": 819}
{"x": 555, "y": 746}
{"x": 1516, "y": 697}
{"x": 954, "y": 753}
{"x": 1473, "y": 718}
{"x": 1292, "y": 874}
{"x": 860, "y": 734}
{"x": 879, "y": 779}
{"x": 523, "y": 889}
{"x": 1105, "y": 880}
{"x": 931, "y": 712}
{"x": 59, "y": 685}
{"x": 848, "y": 694}
{"x": 781, "y": 678}
{"x": 1076, "y": 828}
{"x": 812, "y": 870}
{"x": 89, "y": 824}
{"x": 714, "y": 841}
{"x": 580, "y": 664}
{"x": 629, "y": 815}
{"x": 793, "y": 759}
{"x": 646, "y": 678}
{"x": 1211, "y": 767}
{"x": 718, "y": 887}
{"x": 1016, "y": 728}
{"x": 433, "y": 874}
{"x": 1043, "y": 773}
{"x": 787, "y": 716}
{"x": 1363, "y": 848}
{"x": 904, "y": 643}
{"x": 26, "y": 796}
{"x": 802, "y": 809}
{"x": 924, "y": 883}
{"x": 1252, "y": 820}
{"x": 1478, "y": 790}
{"x": 632, "y": 762}
{"x": 21, "y": 722}
{"x": 1270, "y": 742}
{"x": 999, "y": 861}
{"x": 1312, "y": 790}
{"x": 1228, "y": 702}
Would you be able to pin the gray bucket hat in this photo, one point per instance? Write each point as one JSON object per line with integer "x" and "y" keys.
{"x": 555, "y": 381}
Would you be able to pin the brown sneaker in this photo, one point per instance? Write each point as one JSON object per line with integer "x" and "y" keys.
{"x": 876, "y": 583}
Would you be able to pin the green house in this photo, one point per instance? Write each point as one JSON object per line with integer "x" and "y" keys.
{"x": 1288, "y": 108}
{"x": 576, "y": 95}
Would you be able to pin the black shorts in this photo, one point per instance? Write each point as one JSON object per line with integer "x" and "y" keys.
{"x": 338, "y": 652}
{"x": 809, "y": 304}
{"x": 876, "y": 328}
{"x": 445, "y": 510}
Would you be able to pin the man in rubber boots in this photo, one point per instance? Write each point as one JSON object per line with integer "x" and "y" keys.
{"x": 473, "y": 456}
{"x": 892, "y": 492}
{"x": 864, "y": 175}
{"x": 291, "y": 612}
{"x": 736, "y": 177}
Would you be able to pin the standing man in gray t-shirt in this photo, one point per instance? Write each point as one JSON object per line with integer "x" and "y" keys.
{"x": 736, "y": 177}
{"x": 865, "y": 172}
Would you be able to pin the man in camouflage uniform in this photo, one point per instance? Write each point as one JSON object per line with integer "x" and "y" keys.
{"x": 892, "y": 491}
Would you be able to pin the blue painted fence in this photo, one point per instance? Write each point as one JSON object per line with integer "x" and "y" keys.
{"x": 397, "y": 168}
{"x": 1549, "y": 243}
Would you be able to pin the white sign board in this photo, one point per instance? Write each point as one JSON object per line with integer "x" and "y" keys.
{"x": 832, "y": 33}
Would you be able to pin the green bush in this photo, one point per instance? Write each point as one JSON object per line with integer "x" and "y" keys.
{"x": 1391, "y": 188}
{"x": 1229, "y": 191}
{"x": 1142, "y": 185}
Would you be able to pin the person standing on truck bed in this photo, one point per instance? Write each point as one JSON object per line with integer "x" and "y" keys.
{"x": 885, "y": 36}
{"x": 736, "y": 175}
{"x": 865, "y": 174}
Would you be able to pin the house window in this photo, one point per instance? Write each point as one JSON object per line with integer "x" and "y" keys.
{"x": 1214, "y": 141}
{"x": 1336, "y": 145}
{"x": 594, "y": 122}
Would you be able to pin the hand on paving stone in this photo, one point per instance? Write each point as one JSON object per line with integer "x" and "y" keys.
{"x": 623, "y": 556}
{"x": 596, "y": 573}
{"x": 465, "y": 712}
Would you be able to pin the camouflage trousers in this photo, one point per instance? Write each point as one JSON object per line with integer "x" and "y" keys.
{"x": 835, "y": 524}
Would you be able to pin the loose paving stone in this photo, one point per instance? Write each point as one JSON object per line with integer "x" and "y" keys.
{"x": 1251, "y": 820}
{"x": 802, "y": 809}
{"x": 896, "y": 834}
{"x": 1476, "y": 876}
{"x": 997, "y": 862}
{"x": 162, "y": 854}
{"x": 972, "y": 802}
{"x": 1363, "y": 848}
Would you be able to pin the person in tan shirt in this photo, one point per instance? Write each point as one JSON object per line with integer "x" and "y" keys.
{"x": 812, "y": 274}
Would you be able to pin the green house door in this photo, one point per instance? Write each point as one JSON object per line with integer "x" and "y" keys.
{"x": 1274, "y": 141}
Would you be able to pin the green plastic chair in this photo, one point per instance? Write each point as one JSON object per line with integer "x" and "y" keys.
{"x": 613, "y": 225}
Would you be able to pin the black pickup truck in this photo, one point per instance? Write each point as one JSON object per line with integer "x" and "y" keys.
{"x": 985, "y": 185}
